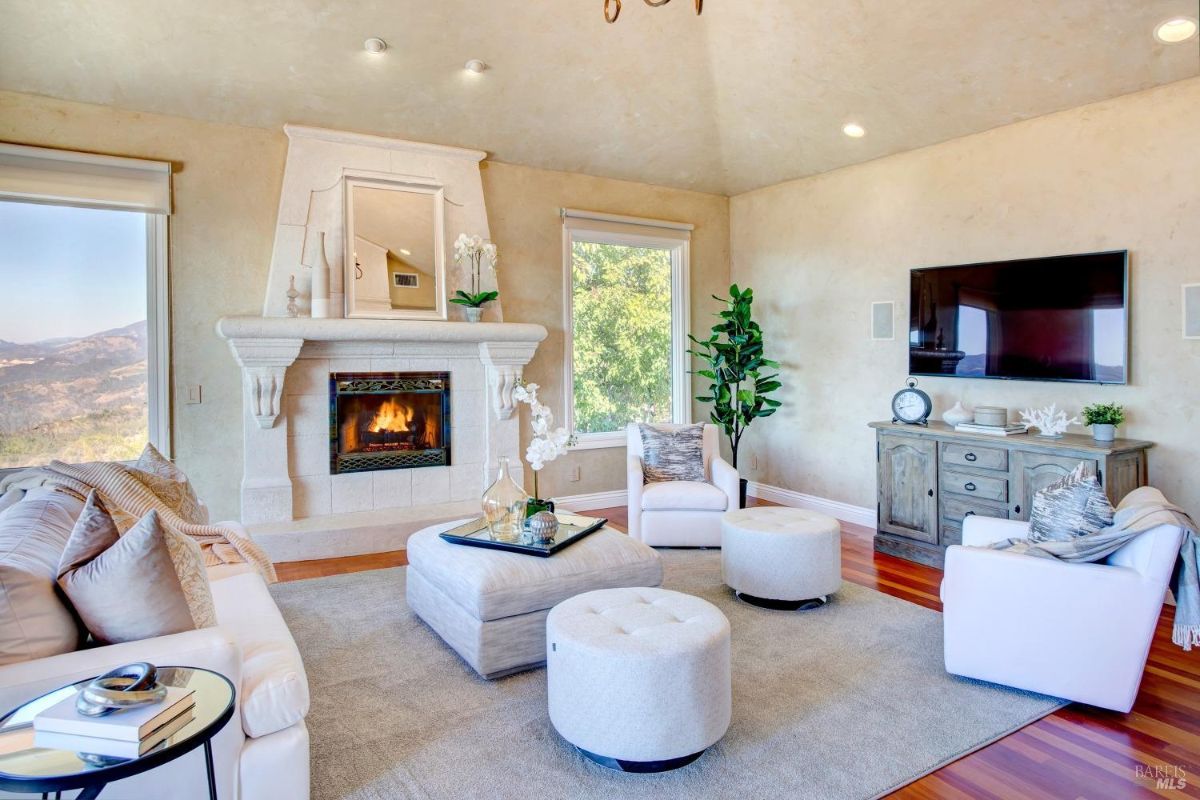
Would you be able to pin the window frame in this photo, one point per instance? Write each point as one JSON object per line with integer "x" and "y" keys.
{"x": 626, "y": 231}
{"x": 49, "y": 176}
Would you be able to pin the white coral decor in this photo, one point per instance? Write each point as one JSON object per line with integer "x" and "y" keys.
{"x": 548, "y": 443}
{"x": 1049, "y": 421}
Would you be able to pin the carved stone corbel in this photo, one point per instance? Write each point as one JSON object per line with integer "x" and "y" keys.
{"x": 264, "y": 364}
{"x": 505, "y": 362}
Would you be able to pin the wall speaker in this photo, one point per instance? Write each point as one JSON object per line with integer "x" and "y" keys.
{"x": 1191, "y": 311}
{"x": 882, "y": 320}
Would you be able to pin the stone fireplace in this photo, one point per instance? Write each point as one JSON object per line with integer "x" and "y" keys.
{"x": 388, "y": 420}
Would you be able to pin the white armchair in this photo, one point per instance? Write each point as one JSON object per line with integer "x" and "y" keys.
{"x": 1077, "y": 631}
{"x": 680, "y": 513}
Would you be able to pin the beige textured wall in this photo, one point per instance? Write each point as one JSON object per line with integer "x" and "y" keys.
{"x": 226, "y": 194}
{"x": 1119, "y": 174}
{"x": 523, "y": 211}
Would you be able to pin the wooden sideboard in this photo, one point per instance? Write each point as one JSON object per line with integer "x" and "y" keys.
{"x": 930, "y": 478}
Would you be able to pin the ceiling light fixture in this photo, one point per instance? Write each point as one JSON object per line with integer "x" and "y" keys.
{"x": 1176, "y": 30}
{"x": 612, "y": 8}
{"x": 854, "y": 130}
{"x": 375, "y": 46}
{"x": 475, "y": 65}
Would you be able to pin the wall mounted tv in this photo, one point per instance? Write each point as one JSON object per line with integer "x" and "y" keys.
{"x": 1064, "y": 318}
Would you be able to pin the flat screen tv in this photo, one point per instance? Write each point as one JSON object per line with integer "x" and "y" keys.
{"x": 1064, "y": 318}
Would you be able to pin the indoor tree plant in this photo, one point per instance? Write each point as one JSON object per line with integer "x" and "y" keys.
{"x": 476, "y": 251}
{"x": 1104, "y": 419}
{"x": 735, "y": 368}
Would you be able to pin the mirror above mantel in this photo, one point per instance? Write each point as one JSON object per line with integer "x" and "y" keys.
{"x": 395, "y": 255}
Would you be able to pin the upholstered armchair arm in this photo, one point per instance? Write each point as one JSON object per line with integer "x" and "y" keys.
{"x": 725, "y": 478}
{"x": 981, "y": 531}
{"x": 634, "y": 483}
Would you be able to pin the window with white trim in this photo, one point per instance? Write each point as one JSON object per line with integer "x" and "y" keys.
{"x": 626, "y": 301}
{"x": 84, "y": 331}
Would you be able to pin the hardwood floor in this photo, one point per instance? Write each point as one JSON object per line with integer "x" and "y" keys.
{"x": 1077, "y": 752}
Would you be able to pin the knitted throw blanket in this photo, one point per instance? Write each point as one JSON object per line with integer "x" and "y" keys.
{"x": 122, "y": 493}
{"x": 1141, "y": 510}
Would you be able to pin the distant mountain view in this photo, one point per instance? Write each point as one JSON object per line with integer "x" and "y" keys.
{"x": 74, "y": 399}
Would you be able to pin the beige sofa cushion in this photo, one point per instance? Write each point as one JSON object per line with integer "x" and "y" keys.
{"x": 148, "y": 582}
{"x": 169, "y": 484}
{"x": 34, "y": 621}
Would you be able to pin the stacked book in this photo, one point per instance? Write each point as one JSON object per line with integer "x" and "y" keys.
{"x": 129, "y": 733}
{"x": 1010, "y": 429}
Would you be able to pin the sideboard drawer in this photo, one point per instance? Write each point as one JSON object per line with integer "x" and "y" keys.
{"x": 951, "y": 533}
{"x": 965, "y": 483}
{"x": 956, "y": 508}
{"x": 968, "y": 455}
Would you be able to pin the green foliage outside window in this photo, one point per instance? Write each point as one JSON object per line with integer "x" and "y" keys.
{"x": 622, "y": 332}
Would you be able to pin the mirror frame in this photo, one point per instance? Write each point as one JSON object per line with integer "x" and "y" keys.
{"x": 438, "y": 194}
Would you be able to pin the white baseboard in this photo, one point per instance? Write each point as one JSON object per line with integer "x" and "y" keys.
{"x": 846, "y": 512}
{"x": 858, "y": 515}
{"x": 587, "y": 502}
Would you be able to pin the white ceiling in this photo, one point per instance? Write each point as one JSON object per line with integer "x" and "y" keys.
{"x": 751, "y": 93}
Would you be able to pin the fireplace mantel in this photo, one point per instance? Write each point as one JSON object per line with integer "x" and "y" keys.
{"x": 265, "y": 347}
{"x": 286, "y": 363}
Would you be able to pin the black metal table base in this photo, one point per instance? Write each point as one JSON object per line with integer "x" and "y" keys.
{"x": 622, "y": 765}
{"x": 92, "y": 792}
{"x": 783, "y": 605}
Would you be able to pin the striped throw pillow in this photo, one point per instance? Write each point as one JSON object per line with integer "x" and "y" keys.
{"x": 1072, "y": 507}
{"x": 672, "y": 454}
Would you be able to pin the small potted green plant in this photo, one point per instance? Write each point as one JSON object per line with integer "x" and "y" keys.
{"x": 1104, "y": 419}
{"x": 476, "y": 251}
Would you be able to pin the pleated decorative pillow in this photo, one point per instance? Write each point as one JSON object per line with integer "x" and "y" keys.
{"x": 147, "y": 582}
{"x": 672, "y": 453}
{"x": 1074, "y": 506}
{"x": 169, "y": 484}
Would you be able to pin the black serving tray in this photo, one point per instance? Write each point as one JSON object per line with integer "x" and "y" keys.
{"x": 571, "y": 528}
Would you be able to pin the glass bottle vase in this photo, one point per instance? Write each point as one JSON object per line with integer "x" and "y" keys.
{"x": 504, "y": 505}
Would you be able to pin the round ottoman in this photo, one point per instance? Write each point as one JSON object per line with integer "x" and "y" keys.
{"x": 778, "y": 557}
{"x": 638, "y": 679}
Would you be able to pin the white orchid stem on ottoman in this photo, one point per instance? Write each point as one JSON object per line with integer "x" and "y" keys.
{"x": 548, "y": 442}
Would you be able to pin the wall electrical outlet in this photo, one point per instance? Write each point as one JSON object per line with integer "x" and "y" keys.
{"x": 194, "y": 395}
{"x": 573, "y": 475}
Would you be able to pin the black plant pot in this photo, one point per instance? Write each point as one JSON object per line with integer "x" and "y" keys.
{"x": 742, "y": 483}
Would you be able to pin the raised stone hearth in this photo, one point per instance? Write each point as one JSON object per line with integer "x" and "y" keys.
{"x": 291, "y": 502}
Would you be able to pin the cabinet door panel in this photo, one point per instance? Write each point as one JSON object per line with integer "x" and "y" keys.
{"x": 1036, "y": 471}
{"x": 907, "y": 482}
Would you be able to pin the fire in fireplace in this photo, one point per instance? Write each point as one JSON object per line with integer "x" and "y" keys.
{"x": 388, "y": 420}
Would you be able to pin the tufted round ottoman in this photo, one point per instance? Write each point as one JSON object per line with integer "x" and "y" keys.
{"x": 781, "y": 557}
{"x": 638, "y": 679}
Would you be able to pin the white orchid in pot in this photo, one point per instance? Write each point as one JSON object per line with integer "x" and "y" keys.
{"x": 547, "y": 444}
{"x": 477, "y": 252}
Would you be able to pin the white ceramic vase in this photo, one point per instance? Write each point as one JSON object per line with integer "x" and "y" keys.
{"x": 473, "y": 314}
{"x": 957, "y": 415}
{"x": 320, "y": 281}
{"x": 1104, "y": 433}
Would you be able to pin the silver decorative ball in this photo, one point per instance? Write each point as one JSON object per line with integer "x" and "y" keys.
{"x": 542, "y": 527}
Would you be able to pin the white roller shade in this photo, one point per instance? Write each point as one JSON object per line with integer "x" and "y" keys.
{"x": 595, "y": 222}
{"x": 65, "y": 177}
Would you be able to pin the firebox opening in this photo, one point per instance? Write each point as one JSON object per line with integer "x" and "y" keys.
{"x": 389, "y": 420}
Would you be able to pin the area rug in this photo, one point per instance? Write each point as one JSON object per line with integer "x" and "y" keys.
{"x": 848, "y": 701}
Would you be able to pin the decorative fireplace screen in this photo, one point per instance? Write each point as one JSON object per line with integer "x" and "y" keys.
{"x": 388, "y": 420}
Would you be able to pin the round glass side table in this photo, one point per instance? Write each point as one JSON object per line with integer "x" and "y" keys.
{"x": 33, "y": 770}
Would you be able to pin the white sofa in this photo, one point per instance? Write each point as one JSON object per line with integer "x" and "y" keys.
{"x": 680, "y": 513}
{"x": 1077, "y": 631}
{"x": 263, "y": 751}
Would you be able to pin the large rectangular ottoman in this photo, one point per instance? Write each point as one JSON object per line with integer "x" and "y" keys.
{"x": 491, "y": 606}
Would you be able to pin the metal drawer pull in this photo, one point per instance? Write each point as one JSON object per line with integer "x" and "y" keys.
{"x": 931, "y": 492}
{"x": 970, "y": 487}
{"x": 970, "y": 514}
{"x": 970, "y": 457}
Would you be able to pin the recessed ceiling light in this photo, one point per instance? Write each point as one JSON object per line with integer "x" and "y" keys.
{"x": 404, "y": 252}
{"x": 1176, "y": 30}
{"x": 475, "y": 65}
{"x": 854, "y": 130}
{"x": 375, "y": 46}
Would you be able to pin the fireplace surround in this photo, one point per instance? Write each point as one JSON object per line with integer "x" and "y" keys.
{"x": 388, "y": 420}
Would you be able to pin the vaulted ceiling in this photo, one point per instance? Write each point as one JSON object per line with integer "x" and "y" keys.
{"x": 753, "y": 92}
